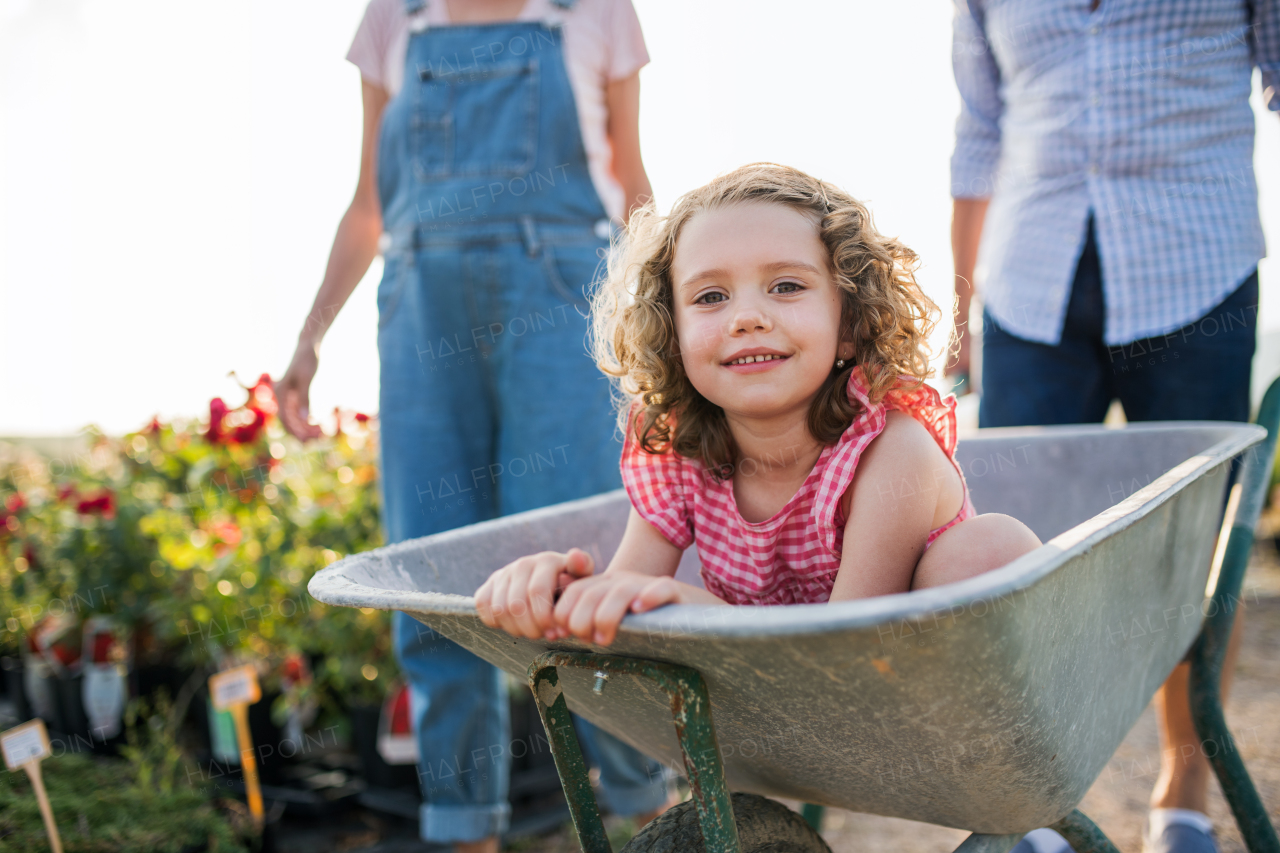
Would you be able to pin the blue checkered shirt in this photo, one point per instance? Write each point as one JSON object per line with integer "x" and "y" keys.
{"x": 1137, "y": 112}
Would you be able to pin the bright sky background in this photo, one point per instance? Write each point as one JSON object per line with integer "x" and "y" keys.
{"x": 171, "y": 175}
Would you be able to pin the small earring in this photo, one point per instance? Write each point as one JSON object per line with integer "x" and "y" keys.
{"x": 839, "y": 363}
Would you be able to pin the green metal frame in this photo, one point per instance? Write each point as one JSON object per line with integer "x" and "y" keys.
{"x": 1210, "y": 650}
{"x": 691, "y": 711}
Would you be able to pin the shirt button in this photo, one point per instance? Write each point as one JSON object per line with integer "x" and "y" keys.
{"x": 1093, "y": 31}
{"x": 1093, "y": 170}
{"x": 1096, "y": 100}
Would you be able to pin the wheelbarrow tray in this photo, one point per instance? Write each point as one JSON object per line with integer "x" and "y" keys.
{"x": 989, "y": 705}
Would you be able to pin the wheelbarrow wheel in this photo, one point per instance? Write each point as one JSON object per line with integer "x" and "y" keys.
{"x": 764, "y": 826}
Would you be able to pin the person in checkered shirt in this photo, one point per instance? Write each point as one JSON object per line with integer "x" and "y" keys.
{"x": 771, "y": 344}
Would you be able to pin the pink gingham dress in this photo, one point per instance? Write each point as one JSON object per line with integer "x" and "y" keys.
{"x": 793, "y": 557}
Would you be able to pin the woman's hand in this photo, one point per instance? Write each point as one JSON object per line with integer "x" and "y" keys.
{"x": 591, "y": 609}
{"x": 519, "y": 598}
{"x": 293, "y": 390}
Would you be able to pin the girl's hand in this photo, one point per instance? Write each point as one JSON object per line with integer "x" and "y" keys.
{"x": 519, "y": 598}
{"x": 592, "y": 609}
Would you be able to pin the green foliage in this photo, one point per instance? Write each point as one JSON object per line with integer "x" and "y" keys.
{"x": 201, "y": 538}
{"x": 154, "y": 756}
{"x": 101, "y": 807}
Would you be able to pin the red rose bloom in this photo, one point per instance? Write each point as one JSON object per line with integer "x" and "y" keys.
{"x": 217, "y": 411}
{"x": 263, "y": 395}
{"x": 104, "y": 504}
{"x": 248, "y": 433}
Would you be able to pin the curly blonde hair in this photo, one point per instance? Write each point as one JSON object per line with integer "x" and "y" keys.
{"x": 885, "y": 315}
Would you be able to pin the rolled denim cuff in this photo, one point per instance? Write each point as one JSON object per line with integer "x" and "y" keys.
{"x": 632, "y": 800}
{"x": 443, "y": 824}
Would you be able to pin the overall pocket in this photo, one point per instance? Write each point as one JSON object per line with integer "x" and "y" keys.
{"x": 476, "y": 123}
{"x": 573, "y": 271}
{"x": 397, "y": 269}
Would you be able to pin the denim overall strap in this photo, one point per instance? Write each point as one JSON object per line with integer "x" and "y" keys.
{"x": 485, "y": 129}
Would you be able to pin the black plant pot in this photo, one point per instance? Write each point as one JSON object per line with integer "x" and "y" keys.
{"x": 377, "y": 773}
{"x": 270, "y": 752}
{"x": 72, "y": 720}
{"x": 15, "y": 690}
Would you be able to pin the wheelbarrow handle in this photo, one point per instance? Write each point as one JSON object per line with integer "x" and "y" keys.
{"x": 1210, "y": 649}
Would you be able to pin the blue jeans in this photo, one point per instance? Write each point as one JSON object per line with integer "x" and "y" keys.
{"x": 490, "y": 406}
{"x": 466, "y": 769}
{"x": 1199, "y": 372}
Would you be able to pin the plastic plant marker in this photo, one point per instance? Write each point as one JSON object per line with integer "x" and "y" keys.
{"x": 235, "y": 690}
{"x": 25, "y": 746}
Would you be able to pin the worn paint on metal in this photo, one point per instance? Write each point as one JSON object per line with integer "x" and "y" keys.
{"x": 695, "y": 729}
{"x": 1083, "y": 835}
{"x": 544, "y": 681}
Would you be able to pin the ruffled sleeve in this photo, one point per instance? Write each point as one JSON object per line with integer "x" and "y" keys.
{"x": 937, "y": 414}
{"x": 660, "y": 487}
{"x": 924, "y": 404}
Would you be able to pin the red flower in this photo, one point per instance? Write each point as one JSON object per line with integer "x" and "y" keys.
{"x": 9, "y": 512}
{"x": 102, "y": 647}
{"x": 104, "y": 505}
{"x": 362, "y": 418}
{"x": 248, "y": 433}
{"x": 227, "y": 531}
{"x": 66, "y": 491}
{"x": 295, "y": 670}
{"x": 263, "y": 395}
{"x": 217, "y": 411}
{"x": 154, "y": 427}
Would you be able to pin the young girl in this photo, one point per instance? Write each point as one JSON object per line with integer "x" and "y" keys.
{"x": 772, "y": 346}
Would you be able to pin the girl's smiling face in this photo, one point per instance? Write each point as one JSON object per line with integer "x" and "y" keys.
{"x": 757, "y": 310}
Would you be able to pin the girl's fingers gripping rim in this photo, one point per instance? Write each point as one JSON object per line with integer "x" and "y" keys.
{"x": 541, "y": 593}
{"x": 655, "y": 594}
{"x": 501, "y": 581}
{"x": 579, "y": 563}
{"x": 484, "y": 599}
{"x": 609, "y": 613}
{"x": 518, "y": 605}
{"x": 568, "y": 600}
{"x": 581, "y": 622}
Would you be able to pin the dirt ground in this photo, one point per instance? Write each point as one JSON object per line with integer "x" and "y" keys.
{"x": 1117, "y": 802}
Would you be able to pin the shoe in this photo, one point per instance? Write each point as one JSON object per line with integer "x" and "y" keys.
{"x": 1180, "y": 838}
{"x": 1043, "y": 840}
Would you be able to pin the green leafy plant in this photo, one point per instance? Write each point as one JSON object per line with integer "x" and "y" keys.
{"x": 200, "y": 538}
{"x": 102, "y": 807}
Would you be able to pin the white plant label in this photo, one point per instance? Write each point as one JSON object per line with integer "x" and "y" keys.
{"x": 237, "y": 686}
{"x": 104, "y": 694}
{"x": 24, "y": 743}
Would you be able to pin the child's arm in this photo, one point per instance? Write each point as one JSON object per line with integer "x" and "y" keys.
{"x": 520, "y": 598}
{"x": 640, "y": 577}
{"x": 894, "y": 496}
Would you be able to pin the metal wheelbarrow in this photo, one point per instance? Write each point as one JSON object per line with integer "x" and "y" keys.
{"x": 989, "y": 705}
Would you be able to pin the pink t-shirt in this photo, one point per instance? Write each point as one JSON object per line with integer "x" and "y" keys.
{"x": 793, "y": 557}
{"x": 602, "y": 44}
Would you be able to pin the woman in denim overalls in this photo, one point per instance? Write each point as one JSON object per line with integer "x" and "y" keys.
{"x": 489, "y": 402}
